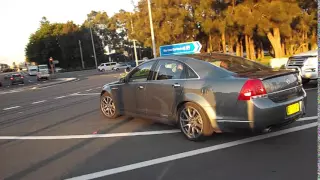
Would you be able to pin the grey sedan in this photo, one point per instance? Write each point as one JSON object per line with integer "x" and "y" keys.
{"x": 207, "y": 93}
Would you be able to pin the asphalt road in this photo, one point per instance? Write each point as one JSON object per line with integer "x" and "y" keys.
{"x": 77, "y": 140}
{"x": 32, "y": 80}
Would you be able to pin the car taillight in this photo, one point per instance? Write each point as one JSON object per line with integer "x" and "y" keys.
{"x": 22, "y": 77}
{"x": 252, "y": 88}
{"x": 11, "y": 78}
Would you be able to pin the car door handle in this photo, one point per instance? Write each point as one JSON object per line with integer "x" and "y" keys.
{"x": 176, "y": 85}
{"x": 140, "y": 87}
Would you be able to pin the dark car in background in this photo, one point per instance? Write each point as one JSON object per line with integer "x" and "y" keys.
{"x": 15, "y": 78}
{"x": 207, "y": 93}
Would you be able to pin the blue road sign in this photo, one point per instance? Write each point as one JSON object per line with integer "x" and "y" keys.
{"x": 182, "y": 48}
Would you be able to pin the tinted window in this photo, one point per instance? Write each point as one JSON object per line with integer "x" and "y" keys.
{"x": 190, "y": 73}
{"x": 167, "y": 69}
{"x": 16, "y": 75}
{"x": 141, "y": 73}
{"x": 107, "y": 64}
{"x": 232, "y": 63}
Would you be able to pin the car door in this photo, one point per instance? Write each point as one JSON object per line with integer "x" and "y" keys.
{"x": 134, "y": 89}
{"x": 165, "y": 89}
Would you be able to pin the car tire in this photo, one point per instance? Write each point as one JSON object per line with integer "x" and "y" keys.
{"x": 204, "y": 122}
{"x": 112, "y": 112}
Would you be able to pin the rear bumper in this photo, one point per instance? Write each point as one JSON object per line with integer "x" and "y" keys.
{"x": 263, "y": 114}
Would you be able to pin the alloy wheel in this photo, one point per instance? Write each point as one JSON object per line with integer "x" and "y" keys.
{"x": 191, "y": 122}
{"x": 107, "y": 106}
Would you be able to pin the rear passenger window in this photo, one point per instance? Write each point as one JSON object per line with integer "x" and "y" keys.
{"x": 190, "y": 73}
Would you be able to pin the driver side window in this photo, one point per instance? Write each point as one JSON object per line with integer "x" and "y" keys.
{"x": 141, "y": 73}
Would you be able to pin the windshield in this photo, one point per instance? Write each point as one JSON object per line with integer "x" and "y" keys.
{"x": 232, "y": 63}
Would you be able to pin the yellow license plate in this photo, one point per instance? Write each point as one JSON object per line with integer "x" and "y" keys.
{"x": 293, "y": 108}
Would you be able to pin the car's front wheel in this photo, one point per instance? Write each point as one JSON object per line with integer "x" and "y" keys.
{"x": 107, "y": 106}
{"x": 193, "y": 122}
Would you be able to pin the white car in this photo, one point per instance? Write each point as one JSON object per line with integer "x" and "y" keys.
{"x": 106, "y": 66}
{"x": 307, "y": 65}
{"x": 120, "y": 66}
{"x": 43, "y": 72}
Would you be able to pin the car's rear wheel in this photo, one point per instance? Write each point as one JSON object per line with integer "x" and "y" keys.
{"x": 193, "y": 122}
{"x": 107, "y": 106}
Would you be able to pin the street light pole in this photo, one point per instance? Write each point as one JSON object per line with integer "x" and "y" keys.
{"x": 152, "y": 33}
{"x": 94, "y": 49}
{"x": 134, "y": 44}
{"x": 81, "y": 55}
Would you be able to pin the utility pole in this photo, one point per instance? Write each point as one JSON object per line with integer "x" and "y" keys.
{"x": 134, "y": 44}
{"x": 94, "y": 49}
{"x": 81, "y": 55}
{"x": 152, "y": 33}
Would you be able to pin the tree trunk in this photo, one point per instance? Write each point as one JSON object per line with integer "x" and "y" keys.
{"x": 238, "y": 48}
{"x": 241, "y": 47}
{"x": 262, "y": 50}
{"x": 209, "y": 45}
{"x": 223, "y": 42}
{"x": 247, "y": 44}
{"x": 275, "y": 41}
{"x": 283, "y": 48}
{"x": 258, "y": 53}
{"x": 231, "y": 43}
{"x": 252, "y": 49}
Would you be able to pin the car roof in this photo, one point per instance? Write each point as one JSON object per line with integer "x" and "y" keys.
{"x": 202, "y": 68}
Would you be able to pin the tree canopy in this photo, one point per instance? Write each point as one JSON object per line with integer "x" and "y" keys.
{"x": 244, "y": 27}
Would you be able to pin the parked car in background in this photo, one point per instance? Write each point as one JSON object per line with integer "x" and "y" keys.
{"x": 43, "y": 72}
{"x": 307, "y": 65}
{"x": 8, "y": 70}
{"x": 206, "y": 93}
{"x": 32, "y": 70}
{"x": 15, "y": 78}
{"x": 121, "y": 66}
{"x": 106, "y": 66}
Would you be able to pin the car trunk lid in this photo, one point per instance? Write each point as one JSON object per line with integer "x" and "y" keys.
{"x": 280, "y": 85}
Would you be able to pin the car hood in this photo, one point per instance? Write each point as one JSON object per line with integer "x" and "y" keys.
{"x": 110, "y": 84}
{"x": 309, "y": 53}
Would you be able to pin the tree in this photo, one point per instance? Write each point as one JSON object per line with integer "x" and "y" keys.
{"x": 275, "y": 19}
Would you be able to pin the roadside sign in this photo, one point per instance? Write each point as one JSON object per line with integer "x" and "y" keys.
{"x": 55, "y": 62}
{"x": 182, "y": 48}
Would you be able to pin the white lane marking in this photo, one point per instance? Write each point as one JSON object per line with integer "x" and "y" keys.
{"x": 310, "y": 89}
{"x": 13, "y": 107}
{"x": 74, "y": 94}
{"x": 308, "y": 118}
{"x": 89, "y": 90}
{"x": 38, "y": 102}
{"x": 87, "y": 136}
{"x": 85, "y": 94}
{"x": 60, "y": 97}
{"x": 190, "y": 153}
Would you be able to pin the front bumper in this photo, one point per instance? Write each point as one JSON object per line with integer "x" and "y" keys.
{"x": 306, "y": 72}
{"x": 43, "y": 75}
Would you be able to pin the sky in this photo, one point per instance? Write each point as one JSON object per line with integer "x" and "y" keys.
{"x": 20, "y": 18}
